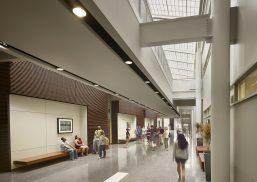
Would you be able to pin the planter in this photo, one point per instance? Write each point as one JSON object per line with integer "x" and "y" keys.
{"x": 207, "y": 165}
{"x": 199, "y": 141}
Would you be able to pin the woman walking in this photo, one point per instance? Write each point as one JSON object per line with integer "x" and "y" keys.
{"x": 180, "y": 154}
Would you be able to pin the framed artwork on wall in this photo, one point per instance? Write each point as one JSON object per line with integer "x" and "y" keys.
{"x": 64, "y": 125}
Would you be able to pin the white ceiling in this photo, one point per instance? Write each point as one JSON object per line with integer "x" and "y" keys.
{"x": 47, "y": 30}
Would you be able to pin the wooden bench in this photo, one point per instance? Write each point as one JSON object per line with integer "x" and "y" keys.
{"x": 122, "y": 141}
{"x": 41, "y": 158}
{"x": 201, "y": 160}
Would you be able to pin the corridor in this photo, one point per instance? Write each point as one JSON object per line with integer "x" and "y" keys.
{"x": 138, "y": 161}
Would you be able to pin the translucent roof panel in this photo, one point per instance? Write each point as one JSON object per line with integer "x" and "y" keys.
{"x": 180, "y": 57}
{"x": 162, "y": 9}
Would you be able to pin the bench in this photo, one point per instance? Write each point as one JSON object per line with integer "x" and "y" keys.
{"x": 41, "y": 158}
{"x": 122, "y": 141}
{"x": 201, "y": 160}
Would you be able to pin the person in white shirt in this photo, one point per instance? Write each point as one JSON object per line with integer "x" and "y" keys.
{"x": 180, "y": 154}
{"x": 66, "y": 147}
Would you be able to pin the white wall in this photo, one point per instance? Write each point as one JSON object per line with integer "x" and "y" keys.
{"x": 244, "y": 137}
{"x": 33, "y": 125}
{"x": 244, "y": 54}
{"x": 148, "y": 122}
{"x": 123, "y": 119}
{"x": 244, "y": 114}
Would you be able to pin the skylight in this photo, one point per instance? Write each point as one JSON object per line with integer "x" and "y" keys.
{"x": 180, "y": 57}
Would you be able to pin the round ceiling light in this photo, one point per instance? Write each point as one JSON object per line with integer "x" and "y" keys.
{"x": 60, "y": 69}
{"x": 128, "y": 62}
{"x": 79, "y": 12}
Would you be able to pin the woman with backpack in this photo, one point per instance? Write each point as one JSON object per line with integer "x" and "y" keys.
{"x": 180, "y": 154}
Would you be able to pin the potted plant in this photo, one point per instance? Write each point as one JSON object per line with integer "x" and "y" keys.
{"x": 207, "y": 155}
{"x": 199, "y": 130}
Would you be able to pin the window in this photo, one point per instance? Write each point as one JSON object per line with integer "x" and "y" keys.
{"x": 245, "y": 87}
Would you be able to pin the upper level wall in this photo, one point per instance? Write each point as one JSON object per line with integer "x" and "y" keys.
{"x": 243, "y": 122}
{"x": 243, "y": 54}
{"x": 122, "y": 17}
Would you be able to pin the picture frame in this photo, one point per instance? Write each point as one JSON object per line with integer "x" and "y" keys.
{"x": 64, "y": 125}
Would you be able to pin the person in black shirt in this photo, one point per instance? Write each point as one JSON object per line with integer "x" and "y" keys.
{"x": 127, "y": 136}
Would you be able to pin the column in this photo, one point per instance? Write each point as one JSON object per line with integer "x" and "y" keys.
{"x": 220, "y": 107}
{"x": 198, "y": 92}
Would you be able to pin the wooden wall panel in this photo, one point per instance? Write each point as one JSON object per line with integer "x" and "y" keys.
{"x": 115, "y": 111}
{"x": 126, "y": 107}
{"x": 141, "y": 121}
{"x": 31, "y": 80}
{"x": 5, "y": 150}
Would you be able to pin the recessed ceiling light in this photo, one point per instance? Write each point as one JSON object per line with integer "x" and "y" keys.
{"x": 156, "y": 92}
{"x": 128, "y": 62}
{"x": 60, "y": 69}
{"x": 147, "y": 82}
{"x": 96, "y": 85}
{"x": 163, "y": 98}
{"x": 2, "y": 47}
{"x": 78, "y": 11}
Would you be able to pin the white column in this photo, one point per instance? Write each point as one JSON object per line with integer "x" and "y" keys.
{"x": 220, "y": 104}
{"x": 198, "y": 85}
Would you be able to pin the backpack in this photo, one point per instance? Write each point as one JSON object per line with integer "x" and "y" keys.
{"x": 106, "y": 141}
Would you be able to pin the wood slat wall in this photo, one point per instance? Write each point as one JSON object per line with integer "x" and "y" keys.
{"x": 5, "y": 146}
{"x": 31, "y": 80}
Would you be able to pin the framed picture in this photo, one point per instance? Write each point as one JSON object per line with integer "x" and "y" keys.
{"x": 64, "y": 125}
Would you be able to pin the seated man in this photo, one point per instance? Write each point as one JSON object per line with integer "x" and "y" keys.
{"x": 79, "y": 144}
{"x": 66, "y": 147}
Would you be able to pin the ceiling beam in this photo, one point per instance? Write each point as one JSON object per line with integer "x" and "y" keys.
{"x": 179, "y": 30}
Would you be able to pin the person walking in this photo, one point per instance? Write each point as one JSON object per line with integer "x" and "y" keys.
{"x": 166, "y": 138}
{"x": 180, "y": 154}
{"x": 127, "y": 136}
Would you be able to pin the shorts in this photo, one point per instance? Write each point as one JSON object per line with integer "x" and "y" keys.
{"x": 182, "y": 161}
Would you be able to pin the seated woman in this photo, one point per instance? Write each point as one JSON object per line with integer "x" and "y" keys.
{"x": 79, "y": 144}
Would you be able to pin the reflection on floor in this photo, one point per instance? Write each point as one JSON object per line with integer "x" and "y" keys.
{"x": 141, "y": 164}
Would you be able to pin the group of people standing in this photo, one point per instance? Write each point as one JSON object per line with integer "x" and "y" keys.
{"x": 100, "y": 143}
{"x": 157, "y": 136}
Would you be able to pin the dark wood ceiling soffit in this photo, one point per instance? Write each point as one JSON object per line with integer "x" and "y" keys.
{"x": 107, "y": 38}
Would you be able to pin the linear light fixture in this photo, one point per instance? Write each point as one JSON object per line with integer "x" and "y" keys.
{"x": 147, "y": 82}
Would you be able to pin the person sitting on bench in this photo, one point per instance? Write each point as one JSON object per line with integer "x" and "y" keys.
{"x": 79, "y": 144}
{"x": 66, "y": 147}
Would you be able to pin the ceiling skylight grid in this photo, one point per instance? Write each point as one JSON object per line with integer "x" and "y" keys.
{"x": 180, "y": 57}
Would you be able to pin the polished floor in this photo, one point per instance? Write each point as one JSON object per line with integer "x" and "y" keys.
{"x": 139, "y": 162}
